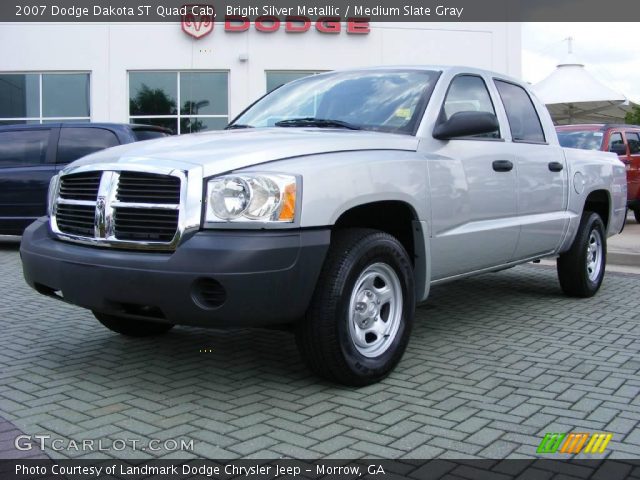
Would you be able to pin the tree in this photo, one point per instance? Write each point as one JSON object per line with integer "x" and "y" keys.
{"x": 633, "y": 117}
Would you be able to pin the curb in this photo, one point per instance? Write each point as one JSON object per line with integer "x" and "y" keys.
{"x": 623, "y": 259}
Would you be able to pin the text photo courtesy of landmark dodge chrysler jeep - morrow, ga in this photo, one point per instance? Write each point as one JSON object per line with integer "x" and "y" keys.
{"x": 330, "y": 205}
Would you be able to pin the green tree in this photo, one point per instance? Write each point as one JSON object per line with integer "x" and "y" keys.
{"x": 633, "y": 117}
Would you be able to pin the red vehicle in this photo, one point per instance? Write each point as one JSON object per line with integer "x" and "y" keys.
{"x": 623, "y": 140}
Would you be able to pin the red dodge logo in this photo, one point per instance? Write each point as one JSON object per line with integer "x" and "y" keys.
{"x": 196, "y": 22}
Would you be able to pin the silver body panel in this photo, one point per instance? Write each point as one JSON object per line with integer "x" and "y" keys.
{"x": 473, "y": 218}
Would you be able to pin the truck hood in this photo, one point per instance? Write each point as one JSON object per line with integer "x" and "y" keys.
{"x": 223, "y": 151}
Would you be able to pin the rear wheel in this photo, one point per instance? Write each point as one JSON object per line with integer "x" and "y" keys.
{"x": 581, "y": 269}
{"x": 359, "y": 320}
{"x": 132, "y": 328}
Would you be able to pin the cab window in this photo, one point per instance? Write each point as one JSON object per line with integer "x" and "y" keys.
{"x": 23, "y": 147}
{"x": 468, "y": 93}
{"x": 633, "y": 139}
{"x": 616, "y": 143}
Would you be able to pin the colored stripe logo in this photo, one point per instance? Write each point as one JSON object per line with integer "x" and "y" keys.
{"x": 574, "y": 443}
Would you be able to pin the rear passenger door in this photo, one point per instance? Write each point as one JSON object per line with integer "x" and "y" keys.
{"x": 542, "y": 175}
{"x": 26, "y": 167}
{"x": 76, "y": 142}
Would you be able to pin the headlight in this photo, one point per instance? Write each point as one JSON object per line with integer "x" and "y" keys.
{"x": 51, "y": 195}
{"x": 251, "y": 197}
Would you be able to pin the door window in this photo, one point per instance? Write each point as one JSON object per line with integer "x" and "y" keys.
{"x": 633, "y": 139}
{"x": 523, "y": 119}
{"x": 468, "y": 93}
{"x": 78, "y": 142}
{"x": 23, "y": 148}
{"x": 615, "y": 142}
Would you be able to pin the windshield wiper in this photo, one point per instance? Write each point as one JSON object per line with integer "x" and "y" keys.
{"x": 237, "y": 126}
{"x": 316, "y": 122}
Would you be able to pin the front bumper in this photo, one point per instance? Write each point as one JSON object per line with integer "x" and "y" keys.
{"x": 213, "y": 279}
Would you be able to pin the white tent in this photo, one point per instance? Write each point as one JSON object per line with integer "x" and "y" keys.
{"x": 573, "y": 95}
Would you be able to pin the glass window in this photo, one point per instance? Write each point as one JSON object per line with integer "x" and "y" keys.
{"x": 468, "y": 93}
{"x": 615, "y": 140}
{"x": 19, "y": 96}
{"x": 582, "y": 139}
{"x": 65, "y": 97}
{"x": 202, "y": 97}
{"x": 21, "y": 148}
{"x": 152, "y": 93}
{"x": 204, "y": 93}
{"x": 78, "y": 142}
{"x": 384, "y": 100}
{"x": 523, "y": 118}
{"x": 634, "y": 142}
{"x": 276, "y": 79}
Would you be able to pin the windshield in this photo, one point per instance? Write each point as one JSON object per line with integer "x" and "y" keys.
{"x": 582, "y": 139}
{"x": 383, "y": 100}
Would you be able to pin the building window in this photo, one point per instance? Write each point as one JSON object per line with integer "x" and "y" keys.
{"x": 44, "y": 97}
{"x": 277, "y": 78}
{"x": 184, "y": 102}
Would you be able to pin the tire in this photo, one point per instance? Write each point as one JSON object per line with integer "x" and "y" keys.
{"x": 132, "y": 328}
{"x": 581, "y": 269}
{"x": 359, "y": 321}
{"x": 636, "y": 214}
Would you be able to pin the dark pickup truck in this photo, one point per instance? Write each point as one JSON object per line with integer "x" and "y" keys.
{"x": 31, "y": 154}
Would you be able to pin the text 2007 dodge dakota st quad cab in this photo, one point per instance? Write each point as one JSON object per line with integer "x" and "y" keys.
{"x": 332, "y": 204}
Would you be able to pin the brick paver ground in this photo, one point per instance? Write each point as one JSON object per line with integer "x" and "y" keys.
{"x": 494, "y": 363}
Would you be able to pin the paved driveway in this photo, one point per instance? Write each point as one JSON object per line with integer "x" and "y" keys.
{"x": 494, "y": 363}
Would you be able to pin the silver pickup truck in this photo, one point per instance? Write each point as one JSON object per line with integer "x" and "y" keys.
{"x": 330, "y": 205}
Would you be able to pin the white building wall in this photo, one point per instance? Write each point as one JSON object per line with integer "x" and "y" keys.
{"x": 109, "y": 51}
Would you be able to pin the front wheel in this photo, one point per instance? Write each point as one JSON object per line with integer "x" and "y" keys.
{"x": 132, "y": 328}
{"x": 360, "y": 318}
{"x": 581, "y": 268}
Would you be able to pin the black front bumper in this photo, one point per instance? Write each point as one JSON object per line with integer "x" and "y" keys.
{"x": 221, "y": 278}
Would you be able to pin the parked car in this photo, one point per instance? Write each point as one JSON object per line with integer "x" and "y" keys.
{"x": 623, "y": 140}
{"x": 30, "y": 155}
{"x": 332, "y": 204}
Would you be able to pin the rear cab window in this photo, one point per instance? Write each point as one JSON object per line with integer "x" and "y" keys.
{"x": 20, "y": 148}
{"x": 522, "y": 115}
{"x": 76, "y": 142}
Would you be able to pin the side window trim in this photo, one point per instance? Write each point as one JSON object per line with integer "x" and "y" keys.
{"x": 439, "y": 120}
{"x": 535, "y": 109}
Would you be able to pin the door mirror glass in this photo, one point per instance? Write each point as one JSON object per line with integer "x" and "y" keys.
{"x": 466, "y": 124}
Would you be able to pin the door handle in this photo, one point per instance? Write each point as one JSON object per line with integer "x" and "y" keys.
{"x": 502, "y": 165}
{"x": 555, "y": 166}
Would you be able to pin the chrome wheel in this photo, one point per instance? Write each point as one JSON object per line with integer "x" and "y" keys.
{"x": 594, "y": 255}
{"x": 375, "y": 310}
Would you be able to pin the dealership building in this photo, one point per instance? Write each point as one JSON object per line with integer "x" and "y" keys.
{"x": 192, "y": 77}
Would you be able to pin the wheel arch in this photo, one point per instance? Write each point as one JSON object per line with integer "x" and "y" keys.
{"x": 399, "y": 219}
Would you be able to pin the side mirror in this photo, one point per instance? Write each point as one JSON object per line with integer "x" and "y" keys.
{"x": 618, "y": 149}
{"x": 466, "y": 124}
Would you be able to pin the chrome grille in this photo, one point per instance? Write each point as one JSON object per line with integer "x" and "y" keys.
{"x": 157, "y": 225}
{"x": 127, "y": 209}
{"x": 76, "y": 219}
{"x": 148, "y": 188}
{"x": 80, "y": 186}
